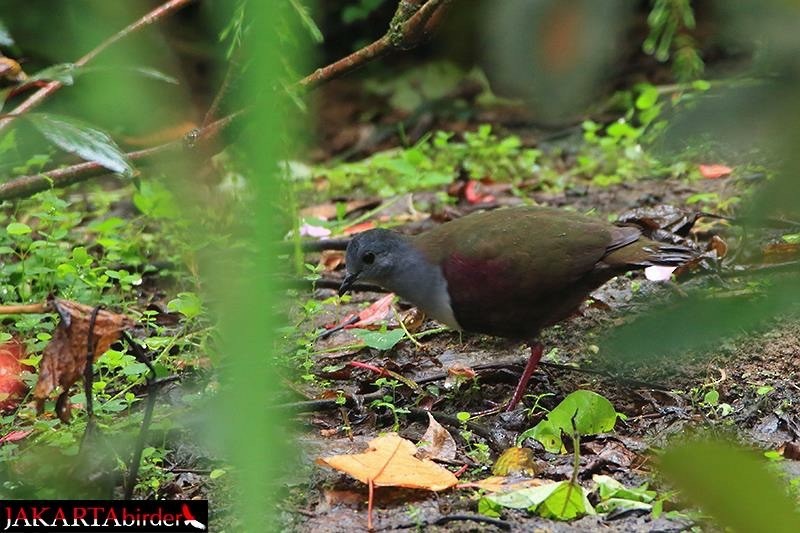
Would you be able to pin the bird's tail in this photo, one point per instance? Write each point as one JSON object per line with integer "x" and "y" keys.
{"x": 667, "y": 255}
{"x": 643, "y": 253}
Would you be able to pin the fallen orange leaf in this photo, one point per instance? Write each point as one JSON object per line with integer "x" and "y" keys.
{"x": 390, "y": 462}
{"x": 358, "y": 228}
{"x": 714, "y": 171}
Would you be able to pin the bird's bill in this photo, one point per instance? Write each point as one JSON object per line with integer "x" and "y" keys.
{"x": 348, "y": 282}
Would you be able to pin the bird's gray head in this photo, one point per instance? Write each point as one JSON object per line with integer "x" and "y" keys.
{"x": 374, "y": 256}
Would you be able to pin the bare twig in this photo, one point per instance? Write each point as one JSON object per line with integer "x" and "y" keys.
{"x": 23, "y": 309}
{"x": 222, "y": 92}
{"x": 24, "y": 186}
{"x": 42, "y": 94}
{"x": 407, "y": 29}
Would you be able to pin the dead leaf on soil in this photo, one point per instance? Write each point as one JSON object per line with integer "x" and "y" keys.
{"x": 515, "y": 461}
{"x": 436, "y": 443}
{"x": 342, "y": 497}
{"x": 390, "y": 462}
{"x": 12, "y": 387}
{"x": 413, "y": 319}
{"x": 64, "y": 358}
{"x": 358, "y": 228}
{"x": 331, "y": 259}
{"x": 376, "y": 312}
{"x": 780, "y": 252}
{"x": 790, "y": 450}
{"x": 458, "y": 374}
{"x": 714, "y": 171}
{"x": 610, "y": 451}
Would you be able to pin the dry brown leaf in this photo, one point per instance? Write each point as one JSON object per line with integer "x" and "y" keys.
{"x": 64, "y": 358}
{"x": 413, "y": 319}
{"x": 515, "y": 461}
{"x": 458, "y": 374}
{"x": 437, "y": 443}
{"x": 390, "y": 462}
{"x": 781, "y": 252}
{"x": 331, "y": 259}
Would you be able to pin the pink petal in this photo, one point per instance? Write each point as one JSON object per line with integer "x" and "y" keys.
{"x": 659, "y": 273}
{"x": 307, "y": 230}
{"x": 15, "y": 435}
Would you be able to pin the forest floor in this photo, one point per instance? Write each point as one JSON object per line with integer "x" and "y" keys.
{"x": 743, "y": 387}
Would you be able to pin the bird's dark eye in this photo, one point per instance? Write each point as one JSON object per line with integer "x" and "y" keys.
{"x": 368, "y": 258}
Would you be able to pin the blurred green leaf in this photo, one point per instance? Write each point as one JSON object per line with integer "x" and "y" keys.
{"x": 81, "y": 139}
{"x": 701, "y": 320}
{"x": 732, "y": 485}
{"x": 61, "y": 72}
{"x": 647, "y": 98}
{"x": 18, "y": 228}
{"x": 187, "y": 303}
{"x": 308, "y": 22}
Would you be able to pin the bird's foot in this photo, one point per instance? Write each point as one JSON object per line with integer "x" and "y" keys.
{"x": 533, "y": 362}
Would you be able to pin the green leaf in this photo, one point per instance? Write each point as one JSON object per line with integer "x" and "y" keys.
{"x": 155, "y": 200}
{"x": 380, "y": 340}
{"x": 136, "y": 369}
{"x": 621, "y": 505}
{"x": 608, "y": 487}
{"x": 81, "y": 139}
{"x": 61, "y": 72}
{"x": 711, "y": 397}
{"x": 590, "y": 412}
{"x": 568, "y": 501}
{"x": 187, "y": 303}
{"x": 561, "y": 501}
{"x": 487, "y": 507}
{"x": 793, "y": 238}
{"x": 151, "y": 73}
{"x": 308, "y": 22}
{"x": 733, "y": 485}
{"x": 217, "y": 473}
{"x": 18, "y": 228}
{"x": 647, "y": 98}
{"x": 529, "y": 498}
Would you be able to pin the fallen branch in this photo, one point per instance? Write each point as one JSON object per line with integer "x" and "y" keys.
{"x": 42, "y": 94}
{"x": 25, "y": 309}
{"x": 25, "y": 186}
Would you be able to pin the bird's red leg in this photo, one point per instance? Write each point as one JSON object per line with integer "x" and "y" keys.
{"x": 533, "y": 362}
